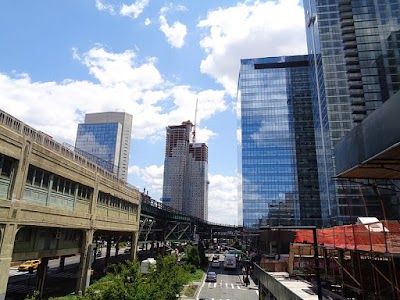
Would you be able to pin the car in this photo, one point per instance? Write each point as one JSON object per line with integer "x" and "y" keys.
{"x": 127, "y": 250}
{"x": 215, "y": 264}
{"x": 211, "y": 277}
{"x": 215, "y": 257}
{"x": 26, "y": 265}
{"x": 98, "y": 253}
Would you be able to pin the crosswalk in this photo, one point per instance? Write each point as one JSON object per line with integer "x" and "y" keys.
{"x": 225, "y": 285}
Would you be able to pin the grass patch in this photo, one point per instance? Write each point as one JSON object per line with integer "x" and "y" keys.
{"x": 197, "y": 276}
{"x": 190, "y": 290}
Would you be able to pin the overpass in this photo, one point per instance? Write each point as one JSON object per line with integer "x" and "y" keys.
{"x": 160, "y": 222}
{"x": 55, "y": 202}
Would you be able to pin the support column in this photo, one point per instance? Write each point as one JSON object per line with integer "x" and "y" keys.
{"x": 62, "y": 263}
{"x": 134, "y": 245}
{"x": 7, "y": 239}
{"x": 41, "y": 276}
{"x": 85, "y": 262}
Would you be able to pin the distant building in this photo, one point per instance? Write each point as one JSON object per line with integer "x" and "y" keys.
{"x": 105, "y": 138}
{"x": 185, "y": 186}
{"x": 278, "y": 159}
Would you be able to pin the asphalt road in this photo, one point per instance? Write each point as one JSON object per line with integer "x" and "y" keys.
{"x": 228, "y": 286}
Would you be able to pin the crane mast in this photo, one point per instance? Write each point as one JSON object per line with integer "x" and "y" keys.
{"x": 194, "y": 125}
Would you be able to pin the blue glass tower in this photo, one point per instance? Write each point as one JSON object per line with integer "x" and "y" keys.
{"x": 101, "y": 142}
{"x": 278, "y": 159}
{"x": 354, "y": 54}
{"x": 105, "y": 138}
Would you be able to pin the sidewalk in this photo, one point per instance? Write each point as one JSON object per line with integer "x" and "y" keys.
{"x": 252, "y": 285}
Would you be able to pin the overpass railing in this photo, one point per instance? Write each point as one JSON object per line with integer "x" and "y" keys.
{"x": 48, "y": 142}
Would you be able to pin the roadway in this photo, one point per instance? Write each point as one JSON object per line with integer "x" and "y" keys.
{"x": 58, "y": 282}
{"x": 229, "y": 285}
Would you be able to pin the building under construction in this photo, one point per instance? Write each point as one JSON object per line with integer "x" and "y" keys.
{"x": 359, "y": 261}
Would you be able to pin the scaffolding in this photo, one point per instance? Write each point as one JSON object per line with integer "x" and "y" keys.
{"x": 358, "y": 261}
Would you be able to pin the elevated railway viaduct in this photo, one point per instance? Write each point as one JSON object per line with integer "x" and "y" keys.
{"x": 55, "y": 202}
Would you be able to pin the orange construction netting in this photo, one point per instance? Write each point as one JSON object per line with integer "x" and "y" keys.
{"x": 383, "y": 236}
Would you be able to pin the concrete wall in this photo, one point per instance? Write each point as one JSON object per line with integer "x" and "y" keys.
{"x": 18, "y": 210}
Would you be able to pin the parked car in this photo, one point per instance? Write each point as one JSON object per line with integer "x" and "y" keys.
{"x": 211, "y": 277}
{"x": 32, "y": 263}
{"x": 215, "y": 264}
{"x": 127, "y": 250}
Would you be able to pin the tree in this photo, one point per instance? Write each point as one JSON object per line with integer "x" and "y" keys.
{"x": 202, "y": 254}
{"x": 192, "y": 254}
{"x": 126, "y": 282}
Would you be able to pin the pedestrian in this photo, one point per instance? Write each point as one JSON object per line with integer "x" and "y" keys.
{"x": 247, "y": 281}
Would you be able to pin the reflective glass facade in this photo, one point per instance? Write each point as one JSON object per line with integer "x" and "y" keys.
{"x": 278, "y": 159}
{"x": 354, "y": 51}
{"x": 101, "y": 143}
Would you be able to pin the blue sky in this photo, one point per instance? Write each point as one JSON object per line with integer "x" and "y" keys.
{"x": 153, "y": 59}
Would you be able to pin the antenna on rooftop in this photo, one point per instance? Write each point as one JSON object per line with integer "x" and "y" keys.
{"x": 194, "y": 125}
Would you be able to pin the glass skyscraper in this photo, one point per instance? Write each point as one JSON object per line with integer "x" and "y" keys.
{"x": 278, "y": 159}
{"x": 105, "y": 138}
{"x": 354, "y": 54}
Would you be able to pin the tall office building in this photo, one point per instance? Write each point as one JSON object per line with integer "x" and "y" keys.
{"x": 278, "y": 159}
{"x": 185, "y": 186}
{"x": 105, "y": 138}
{"x": 354, "y": 50}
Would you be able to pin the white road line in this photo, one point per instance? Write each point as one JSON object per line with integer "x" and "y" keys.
{"x": 238, "y": 287}
{"x": 232, "y": 285}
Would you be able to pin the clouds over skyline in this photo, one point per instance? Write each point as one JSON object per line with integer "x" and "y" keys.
{"x": 152, "y": 60}
{"x": 250, "y": 30}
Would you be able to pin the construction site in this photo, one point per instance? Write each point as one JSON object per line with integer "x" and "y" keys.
{"x": 360, "y": 260}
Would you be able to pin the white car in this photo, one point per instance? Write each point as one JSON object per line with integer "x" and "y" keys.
{"x": 215, "y": 264}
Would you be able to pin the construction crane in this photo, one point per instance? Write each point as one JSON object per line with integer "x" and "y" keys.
{"x": 194, "y": 125}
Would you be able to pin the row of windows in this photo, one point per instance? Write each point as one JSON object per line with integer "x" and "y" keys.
{"x": 114, "y": 202}
{"x": 41, "y": 178}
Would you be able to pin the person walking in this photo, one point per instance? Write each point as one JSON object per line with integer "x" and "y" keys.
{"x": 246, "y": 281}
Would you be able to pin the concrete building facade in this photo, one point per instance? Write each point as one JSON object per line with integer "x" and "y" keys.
{"x": 53, "y": 201}
{"x": 185, "y": 186}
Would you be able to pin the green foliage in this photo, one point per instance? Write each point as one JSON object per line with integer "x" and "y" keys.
{"x": 197, "y": 276}
{"x": 192, "y": 254}
{"x": 189, "y": 268}
{"x": 34, "y": 296}
{"x": 202, "y": 255}
{"x": 125, "y": 282}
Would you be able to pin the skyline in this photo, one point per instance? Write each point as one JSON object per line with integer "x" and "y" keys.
{"x": 61, "y": 61}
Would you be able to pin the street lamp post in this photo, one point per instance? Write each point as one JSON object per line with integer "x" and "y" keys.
{"x": 316, "y": 258}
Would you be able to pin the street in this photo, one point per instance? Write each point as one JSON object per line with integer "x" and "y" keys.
{"x": 229, "y": 286}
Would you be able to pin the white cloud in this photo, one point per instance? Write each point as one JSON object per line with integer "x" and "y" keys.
{"x": 249, "y": 30}
{"x": 152, "y": 178}
{"x": 123, "y": 83}
{"x": 223, "y": 200}
{"x": 147, "y": 22}
{"x": 101, "y": 6}
{"x": 135, "y": 9}
{"x": 175, "y": 33}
